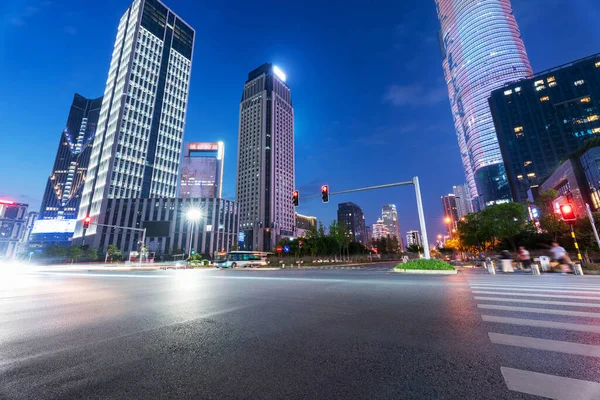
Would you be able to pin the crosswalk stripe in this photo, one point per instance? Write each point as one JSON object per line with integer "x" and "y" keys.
{"x": 591, "y": 288}
{"x": 537, "y": 290}
{"x": 545, "y": 344}
{"x": 540, "y": 310}
{"x": 550, "y": 386}
{"x": 549, "y": 302}
{"x": 558, "y": 296}
{"x": 542, "y": 324}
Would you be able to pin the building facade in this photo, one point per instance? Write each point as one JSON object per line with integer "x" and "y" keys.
{"x": 450, "y": 211}
{"x": 305, "y": 222}
{"x": 137, "y": 148}
{"x": 168, "y": 228}
{"x": 380, "y": 230}
{"x": 482, "y": 49}
{"x": 464, "y": 205}
{"x": 389, "y": 214}
{"x": 265, "y": 170}
{"x": 352, "y": 216}
{"x": 65, "y": 184}
{"x": 414, "y": 237}
{"x": 13, "y": 228}
{"x": 542, "y": 120}
{"x": 202, "y": 170}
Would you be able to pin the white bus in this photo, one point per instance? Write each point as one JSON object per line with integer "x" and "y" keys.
{"x": 243, "y": 259}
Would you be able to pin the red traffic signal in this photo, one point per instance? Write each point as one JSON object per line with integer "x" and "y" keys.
{"x": 325, "y": 193}
{"x": 86, "y": 222}
{"x": 296, "y": 198}
{"x": 567, "y": 211}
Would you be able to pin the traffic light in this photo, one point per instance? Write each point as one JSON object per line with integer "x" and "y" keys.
{"x": 567, "y": 211}
{"x": 296, "y": 198}
{"x": 86, "y": 222}
{"x": 325, "y": 193}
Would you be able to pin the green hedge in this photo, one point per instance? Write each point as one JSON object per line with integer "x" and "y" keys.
{"x": 425, "y": 264}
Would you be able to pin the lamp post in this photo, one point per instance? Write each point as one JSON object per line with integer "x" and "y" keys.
{"x": 448, "y": 221}
{"x": 193, "y": 215}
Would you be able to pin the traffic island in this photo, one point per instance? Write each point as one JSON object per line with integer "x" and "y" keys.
{"x": 425, "y": 267}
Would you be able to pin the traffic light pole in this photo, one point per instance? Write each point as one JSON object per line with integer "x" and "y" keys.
{"x": 143, "y": 230}
{"x": 415, "y": 183}
{"x": 576, "y": 244}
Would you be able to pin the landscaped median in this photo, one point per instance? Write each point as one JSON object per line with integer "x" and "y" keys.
{"x": 434, "y": 267}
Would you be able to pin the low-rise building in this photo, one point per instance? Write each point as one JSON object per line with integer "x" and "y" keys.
{"x": 13, "y": 227}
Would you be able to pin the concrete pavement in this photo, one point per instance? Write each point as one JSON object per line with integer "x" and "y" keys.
{"x": 318, "y": 334}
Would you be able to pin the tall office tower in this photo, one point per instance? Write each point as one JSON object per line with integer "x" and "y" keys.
{"x": 380, "y": 230}
{"x": 414, "y": 237}
{"x": 450, "y": 211}
{"x": 542, "y": 120}
{"x": 137, "y": 148}
{"x": 389, "y": 214}
{"x": 464, "y": 206}
{"x": 352, "y": 216}
{"x": 482, "y": 50}
{"x": 202, "y": 170}
{"x": 65, "y": 183}
{"x": 265, "y": 170}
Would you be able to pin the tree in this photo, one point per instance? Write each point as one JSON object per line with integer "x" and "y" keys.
{"x": 550, "y": 221}
{"x": 75, "y": 252}
{"x": 91, "y": 254}
{"x": 506, "y": 221}
{"x": 56, "y": 251}
{"x": 114, "y": 254}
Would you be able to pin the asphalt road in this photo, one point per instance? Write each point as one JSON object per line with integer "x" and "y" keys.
{"x": 313, "y": 334}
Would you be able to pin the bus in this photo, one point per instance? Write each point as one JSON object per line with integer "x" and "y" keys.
{"x": 243, "y": 259}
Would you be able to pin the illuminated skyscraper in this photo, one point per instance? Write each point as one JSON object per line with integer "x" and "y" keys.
{"x": 389, "y": 214}
{"x": 137, "y": 148}
{"x": 482, "y": 50}
{"x": 265, "y": 170}
{"x": 202, "y": 170}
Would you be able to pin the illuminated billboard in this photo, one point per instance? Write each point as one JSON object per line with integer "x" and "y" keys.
{"x": 54, "y": 226}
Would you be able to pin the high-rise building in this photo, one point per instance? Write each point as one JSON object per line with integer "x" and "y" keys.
{"x": 369, "y": 231}
{"x": 13, "y": 227}
{"x": 304, "y": 223}
{"x": 380, "y": 230}
{"x": 414, "y": 237}
{"x": 541, "y": 120}
{"x": 137, "y": 147}
{"x": 65, "y": 183}
{"x": 389, "y": 214}
{"x": 464, "y": 205}
{"x": 450, "y": 212}
{"x": 202, "y": 170}
{"x": 353, "y": 218}
{"x": 482, "y": 50}
{"x": 265, "y": 170}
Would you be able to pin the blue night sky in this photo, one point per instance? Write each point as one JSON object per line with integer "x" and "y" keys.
{"x": 367, "y": 84}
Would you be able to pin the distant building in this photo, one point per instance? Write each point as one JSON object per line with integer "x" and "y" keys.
{"x": 265, "y": 170}
{"x": 464, "y": 205}
{"x": 352, "y": 216}
{"x": 369, "y": 231}
{"x": 13, "y": 228}
{"x": 138, "y": 143}
{"x": 450, "y": 211}
{"x": 168, "y": 227}
{"x": 414, "y": 237}
{"x": 305, "y": 222}
{"x": 389, "y": 214}
{"x": 202, "y": 170}
{"x": 380, "y": 230}
{"x": 482, "y": 49}
{"x": 577, "y": 181}
{"x": 541, "y": 120}
{"x": 31, "y": 218}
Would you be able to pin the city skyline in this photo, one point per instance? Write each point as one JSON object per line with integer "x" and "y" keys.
{"x": 103, "y": 21}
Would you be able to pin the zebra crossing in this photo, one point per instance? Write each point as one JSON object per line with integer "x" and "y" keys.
{"x": 539, "y": 305}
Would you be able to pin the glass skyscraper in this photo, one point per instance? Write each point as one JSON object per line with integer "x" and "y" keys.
{"x": 202, "y": 170}
{"x": 482, "y": 50}
{"x": 265, "y": 170}
{"x": 136, "y": 152}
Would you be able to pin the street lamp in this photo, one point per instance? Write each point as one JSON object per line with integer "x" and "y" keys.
{"x": 448, "y": 221}
{"x": 193, "y": 215}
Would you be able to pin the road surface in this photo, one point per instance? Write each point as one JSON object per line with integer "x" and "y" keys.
{"x": 301, "y": 334}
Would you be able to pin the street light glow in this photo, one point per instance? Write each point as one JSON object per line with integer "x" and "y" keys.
{"x": 448, "y": 220}
{"x": 194, "y": 214}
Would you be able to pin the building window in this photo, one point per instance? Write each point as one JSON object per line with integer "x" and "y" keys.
{"x": 579, "y": 82}
{"x": 586, "y": 100}
{"x": 552, "y": 84}
{"x": 526, "y": 163}
{"x": 518, "y": 89}
{"x": 593, "y": 118}
{"x": 518, "y": 129}
{"x": 551, "y": 79}
{"x": 520, "y": 177}
{"x": 531, "y": 175}
{"x": 597, "y": 64}
{"x": 508, "y": 92}
{"x": 545, "y": 98}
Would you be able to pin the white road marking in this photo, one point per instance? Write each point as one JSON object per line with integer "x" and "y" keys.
{"x": 540, "y": 310}
{"x": 550, "y": 386}
{"x": 542, "y": 324}
{"x": 545, "y": 344}
{"x": 555, "y": 303}
{"x": 521, "y": 285}
{"x": 537, "y": 290}
{"x": 546, "y": 296}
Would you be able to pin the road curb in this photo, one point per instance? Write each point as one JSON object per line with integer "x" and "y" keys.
{"x": 425, "y": 271}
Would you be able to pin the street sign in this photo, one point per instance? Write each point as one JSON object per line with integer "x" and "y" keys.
{"x": 286, "y": 249}
{"x": 300, "y": 243}
{"x": 279, "y": 249}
